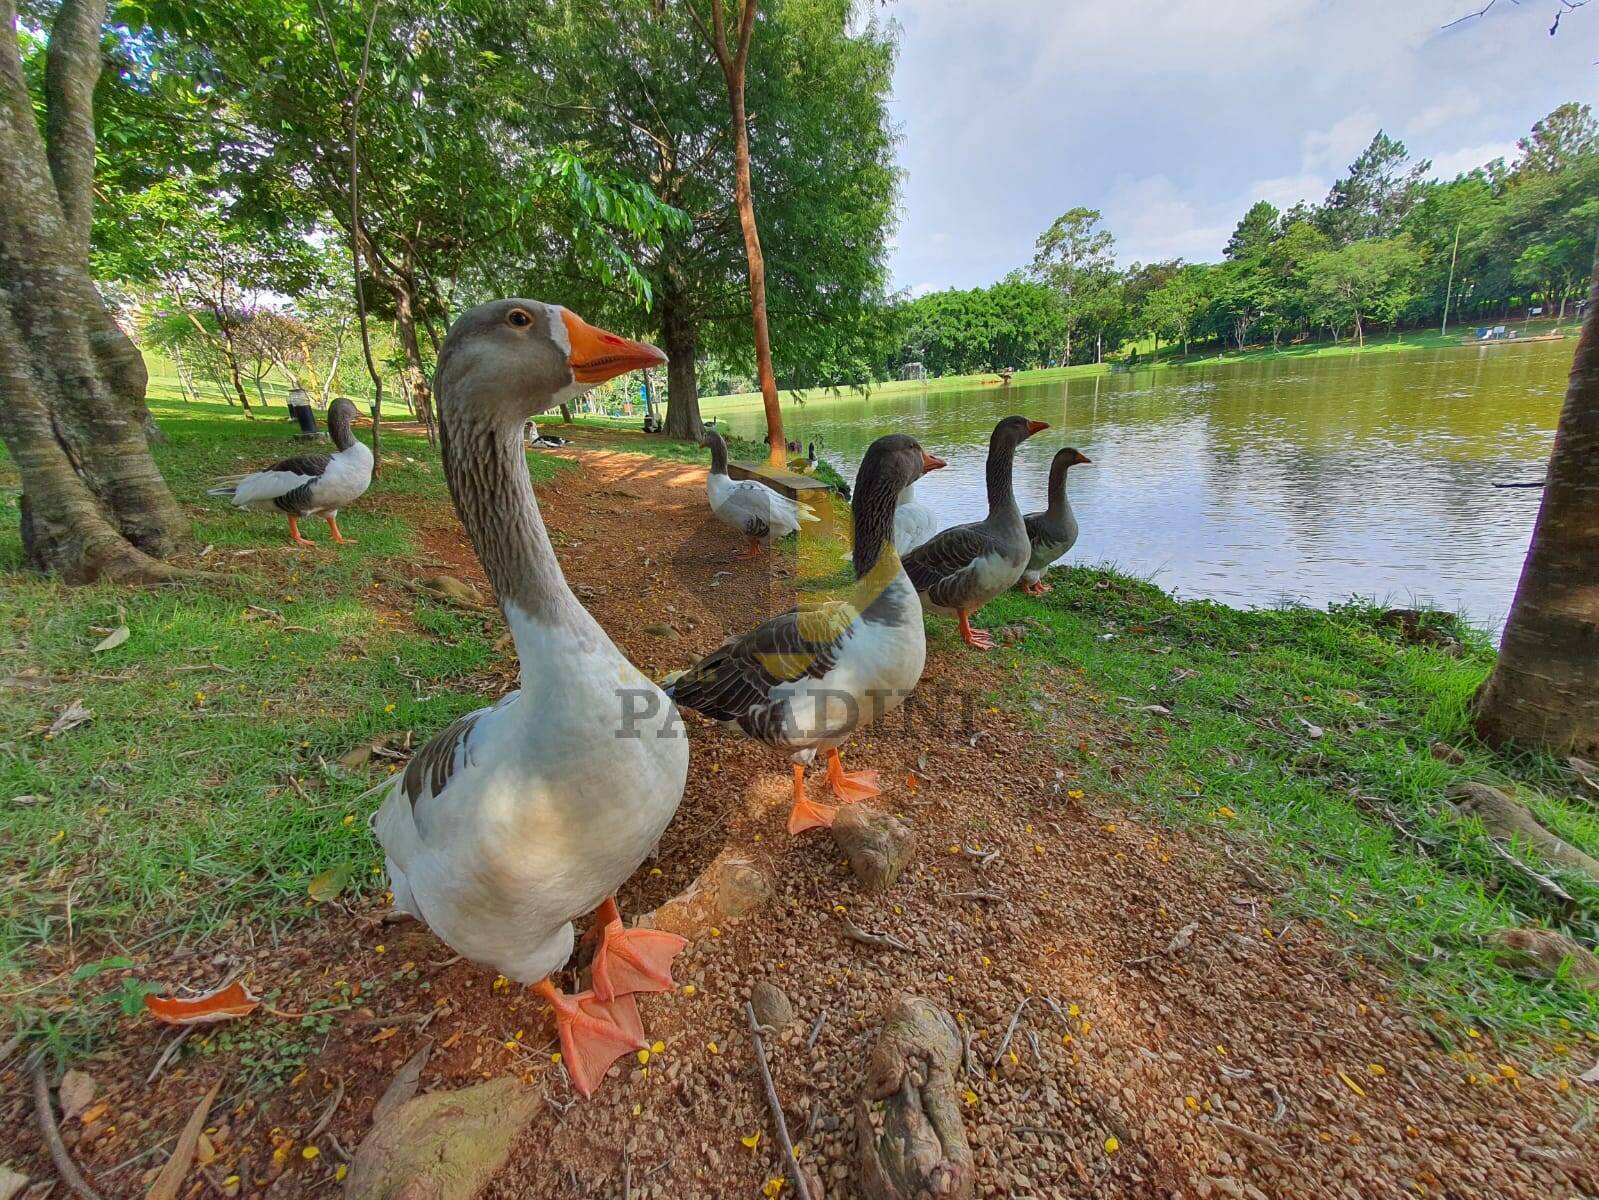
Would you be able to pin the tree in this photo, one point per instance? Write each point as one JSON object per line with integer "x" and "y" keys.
{"x": 1372, "y": 200}
{"x": 734, "y": 61}
{"x": 1365, "y": 280}
{"x": 1568, "y": 133}
{"x": 1172, "y": 308}
{"x": 1257, "y": 230}
{"x": 72, "y": 411}
{"x": 1544, "y": 689}
{"x": 1073, "y": 257}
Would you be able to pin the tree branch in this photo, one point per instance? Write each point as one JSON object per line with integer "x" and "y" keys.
{"x": 72, "y": 68}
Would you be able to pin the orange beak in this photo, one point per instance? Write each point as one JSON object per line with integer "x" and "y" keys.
{"x": 932, "y": 462}
{"x": 597, "y": 355}
{"x": 1036, "y": 427}
{"x": 1084, "y": 460}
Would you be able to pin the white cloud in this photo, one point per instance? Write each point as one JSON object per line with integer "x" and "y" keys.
{"x": 1455, "y": 162}
{"x": 1335, "y": 148}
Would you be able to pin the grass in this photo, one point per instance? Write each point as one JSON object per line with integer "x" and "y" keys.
{"x": 203, "y": 792}
{"x": 1305, "y": 736}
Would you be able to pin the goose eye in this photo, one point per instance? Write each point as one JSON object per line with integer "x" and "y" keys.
{"x": 520, "y": 318}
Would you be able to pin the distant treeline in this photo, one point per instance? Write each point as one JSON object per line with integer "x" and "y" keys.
{"x": 1376, "y": 252}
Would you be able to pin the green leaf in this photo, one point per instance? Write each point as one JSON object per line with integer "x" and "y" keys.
{"x": 90, "y": 970}
{"x": 329, "y": 883}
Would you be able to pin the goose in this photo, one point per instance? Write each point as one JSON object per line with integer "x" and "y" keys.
{"x": 1053, "y": 532}
{"x": 914, "y": 522}
{"x": 310, "y": 485}
{"x": 806, "y": 680}
{"x": 958, "y": 571}
{"x": 752, "y": 508}
{"x": 520, "y": 817}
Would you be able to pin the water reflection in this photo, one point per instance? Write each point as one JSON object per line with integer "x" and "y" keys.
{"x": 1315, "y": 478}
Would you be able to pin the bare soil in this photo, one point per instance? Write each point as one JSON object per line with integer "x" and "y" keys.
{"x": 1175, "y": 1036}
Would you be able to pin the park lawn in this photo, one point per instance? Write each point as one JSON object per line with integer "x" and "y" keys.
{"x": 1304, "y": 739}
{"x": 204, "y": 793}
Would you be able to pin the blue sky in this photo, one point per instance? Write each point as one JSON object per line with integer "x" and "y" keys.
{"x": 1173, "y": 116}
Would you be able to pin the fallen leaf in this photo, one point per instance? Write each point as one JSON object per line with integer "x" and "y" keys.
{"x": 1352, "y": 1085}
{"x": 76, "y": 1093}
{"x": 224, "y": 1004}
{"x": 70, "y": 717}
{"x": 404, "y": 1084}
{"x": 1590, "y": 1076}
{"x": 1312, "y": 730}
{"x": 112, "y": 640}
{"x": 329, "y": 883}
{"x": 356, "y": 757}
{"x": 205, "y": 1151}
{"x": 753, "y": 1140}
{"x": 95, "y": 1113}
{"x": 172, "y": 1175}
{"x": 384, "y": 1035}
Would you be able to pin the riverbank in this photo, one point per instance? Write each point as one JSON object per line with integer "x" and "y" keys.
{"x": 1215, "y": 893}
{"x": 1168, "y": 358}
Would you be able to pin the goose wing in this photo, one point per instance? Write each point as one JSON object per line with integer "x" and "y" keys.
{"x": 757, "y": 509}
{"x": 746, "y": 677}
{"x": 943, "y": 567}
{"x": 278, "y": 481}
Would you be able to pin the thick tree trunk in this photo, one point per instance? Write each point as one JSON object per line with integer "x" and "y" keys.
{"x": 1544, "y": 691}
{"x": 416, "y": 385}
{"x": 72, "y": 410}
{"x": 680, "y": 340}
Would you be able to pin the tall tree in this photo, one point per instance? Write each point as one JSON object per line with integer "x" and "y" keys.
{"x": 72, "y": 409}
{"x": 1073, "y": 256}
{"x": 1568, "y": 133}
{"x": 1372, "y": 200}
{"x": 734, "y": 60}
{"x": 1544, "y": 690}
{"x": 1366, "y": 280}
{"x": 1255, "y": 231}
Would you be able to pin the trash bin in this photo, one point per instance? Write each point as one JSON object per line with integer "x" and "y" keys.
{"x": 300, "y": 409}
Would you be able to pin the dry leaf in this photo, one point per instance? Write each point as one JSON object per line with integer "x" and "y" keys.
{"x": 172, "y": 1175}
{"x": 11, "y": 1183}
{"x": 76, "y": 1093}
{"x": 384, "y": 1035}
{"x": 329, "y": 883}
{"x": 95, "y": 1113}
{"x": 1590, "y": 1076}
{"x": 70, "y": 718}
{"x": 224, "y": 1004}
{"x": 205, "y": 1151}
{"x": 404, "y": 1084}
{"x": 355, "y": 757}
{"x": 112, "y": 640}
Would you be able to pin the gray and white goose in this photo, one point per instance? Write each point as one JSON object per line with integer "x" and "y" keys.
{"x": 748, "y": 506}
{"x": 808, "y": 679}
{"x": 1052, "y": 532}
{"x": 310, "y": 485}
{"x": 520, "y": 817}
{"x": 958, "y": 571}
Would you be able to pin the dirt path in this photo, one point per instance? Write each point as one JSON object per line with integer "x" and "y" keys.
{"x": 1254, "y": 1059}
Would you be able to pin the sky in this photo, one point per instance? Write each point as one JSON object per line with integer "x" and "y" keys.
{"x": 1172, "y": 116}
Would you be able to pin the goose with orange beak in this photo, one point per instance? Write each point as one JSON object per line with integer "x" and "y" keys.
{"x": 958, "y": 571}
{"x": 521, "y": 817}
{"x": 806, "y": 680}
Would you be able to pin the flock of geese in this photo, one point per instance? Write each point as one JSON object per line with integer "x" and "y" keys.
{"x": 521, "y": 817}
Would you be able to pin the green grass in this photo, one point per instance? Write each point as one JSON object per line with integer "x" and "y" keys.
{"x": 203, "y": 793}
{"x": 1305, "y": 736}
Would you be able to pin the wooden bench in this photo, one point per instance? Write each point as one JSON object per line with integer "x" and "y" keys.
{"x": 786, "y": 483}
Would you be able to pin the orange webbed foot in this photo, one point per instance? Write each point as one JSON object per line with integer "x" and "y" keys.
{"x": 634, "y": 960}
{"x": 594, "y": 1033}
{"x": 851, "y": 787}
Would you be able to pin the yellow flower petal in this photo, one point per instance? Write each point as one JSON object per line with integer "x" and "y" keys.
{"x": 1112, "y": 1145}
{"x": 309, "y": 1153}
{"x": 752, "y": 1140}
{"x": 340, "y": 1171}
{"x": 1352, "y": 1085}
{"x": 711, "y": 1046}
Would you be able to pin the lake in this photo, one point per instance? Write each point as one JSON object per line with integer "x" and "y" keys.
{"x": 1311, "y": 479}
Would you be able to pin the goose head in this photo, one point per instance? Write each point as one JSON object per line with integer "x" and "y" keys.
{"x": 341, "y": 415}
{"x": 894, "y": 462}
{"x": 510, "y": 359}
{"x": 1013, "y": 431}
{"x": 1071, "y": 457}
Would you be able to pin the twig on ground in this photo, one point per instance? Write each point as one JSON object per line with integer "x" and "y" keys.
{"x": 790, "y": 1163}
{"x": 1542, "y": 882}
{"x": 627, "y": 1173}
{"x": 982, "y": 857}
{"x": 966, "y": 1047}
{"x": 326, "y": 1118}
{"x": 1260, "y": 1141}
{"x": 166, "y": 1055}
{"x": 333, "y": 1140}
{"x": 420, "y": 1020}
{"x": 978, "y": 895}
{"x": 51, "y": 1132}
{"x": 1282, "y": 1105}
{"x": 872, "y": 937}
{"x": 1010, "y": 1032}
{"x": 816, "y": 1030}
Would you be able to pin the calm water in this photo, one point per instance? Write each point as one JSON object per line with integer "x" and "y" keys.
{"x": 1313, "y": 479}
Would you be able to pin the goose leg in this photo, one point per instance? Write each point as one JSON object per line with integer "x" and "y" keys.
{"x": 850, "y": 786}
{"x": 1037, "y": 587}
{"x": 294, "y": 533}
{"x": 980, "y": 638}
{"x": 806, "y": 813}
{"x": 632, "y": 960}
{"x": 753, "y": 550}
{"x": 333, "y": 527}
{"x": 594, "y": 1033}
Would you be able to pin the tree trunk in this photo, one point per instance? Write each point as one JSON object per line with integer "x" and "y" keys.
{"x": 733, "y": 71}
{"x": 416, "y": 386}
{"x": 680, "y": 340}
{"x": 1544, "y": 690}
{"x": 72, "y": 410}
